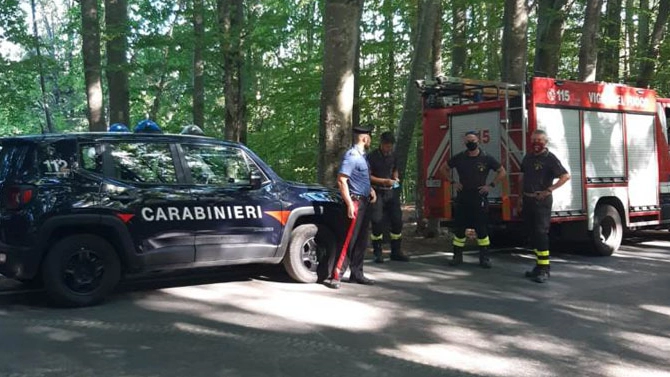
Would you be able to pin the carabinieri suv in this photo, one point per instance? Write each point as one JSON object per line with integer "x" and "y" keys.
{"x": 78, "y": 212}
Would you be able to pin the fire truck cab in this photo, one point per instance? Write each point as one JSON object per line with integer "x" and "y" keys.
{"x": 612, "y": 139}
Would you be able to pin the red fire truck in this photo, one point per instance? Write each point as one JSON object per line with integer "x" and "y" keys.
{"x": 612, "y": 138}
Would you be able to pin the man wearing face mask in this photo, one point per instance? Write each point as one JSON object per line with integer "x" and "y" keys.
{"x": 540, "y": 168}
{"x": 473, "y": 166}
{"x": 384, "y": 177}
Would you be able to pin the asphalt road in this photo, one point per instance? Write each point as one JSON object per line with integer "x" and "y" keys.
{"x": 596, "y": 317}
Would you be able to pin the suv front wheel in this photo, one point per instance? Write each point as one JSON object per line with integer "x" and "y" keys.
{"x": 309, "y": 244}
{"x": 80, "y": 270}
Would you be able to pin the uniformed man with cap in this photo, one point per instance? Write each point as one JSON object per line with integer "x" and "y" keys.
{"x": 385, "y": 181}
{"x": 472, "y": 206}
{"x": 353, "y": 180}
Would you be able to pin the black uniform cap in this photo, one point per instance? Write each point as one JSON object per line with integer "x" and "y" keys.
{"x": 365, "y": 128}
{"x": 387, "y": 138}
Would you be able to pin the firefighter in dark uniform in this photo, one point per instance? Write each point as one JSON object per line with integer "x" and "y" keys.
{"x": 384, "y": 177}
{"x": 353, "y": 181}
{"x": 540, "y": 168}
{"x": 473, "y": 166}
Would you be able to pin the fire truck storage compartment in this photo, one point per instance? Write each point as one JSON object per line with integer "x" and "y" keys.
{"x": 563, "y": 130}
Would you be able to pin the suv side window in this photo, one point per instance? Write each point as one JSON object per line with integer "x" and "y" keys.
{"x": 91, "y": 157}
{"x": 218, "y": 165}
{"x": 143, "y": 162}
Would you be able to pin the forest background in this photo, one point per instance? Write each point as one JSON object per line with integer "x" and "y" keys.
{"x": 290, "y": 78}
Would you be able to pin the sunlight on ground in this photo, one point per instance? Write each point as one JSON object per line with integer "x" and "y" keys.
{"x": 632, "y": 370}
{"x": 641, "y": 343}
{"x": 665, "y": 310}
{"x": 298, "y": 311}
{"x": 468, "y": 359}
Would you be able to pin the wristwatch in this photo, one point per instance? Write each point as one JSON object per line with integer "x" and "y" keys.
{"x": 492, "y": 184}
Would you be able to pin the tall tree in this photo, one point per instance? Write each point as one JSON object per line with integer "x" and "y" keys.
{"x": 610, "y": 52}
{"x": 648, "y": 65}
{"x": 551, "y": 18}
{"x": 356, "y": 115}
{"x": 389, "y": 80}
{"x": 588, "y": 50}
{"x": 515, "y": 41}
{"x": 198, "y": 63}
{"x": 38, "y": 53}
{"x": 116, "y": 26}
{"x": 459, "y": 38}
{"x": 231, "y": 21}
{"x": 90, "y": 35}
{"x": 419, "y": 67}
{"x": 429, "y": 229}
{"x": 337, "y": 86}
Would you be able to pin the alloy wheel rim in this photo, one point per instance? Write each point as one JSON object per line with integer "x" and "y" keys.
{"x": 84, "y": 271}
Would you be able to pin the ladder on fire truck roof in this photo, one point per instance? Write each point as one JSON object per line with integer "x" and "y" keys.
{"x": 451, "y": 91}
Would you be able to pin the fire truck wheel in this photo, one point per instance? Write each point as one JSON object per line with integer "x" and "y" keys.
{"x": 607, "y": 230}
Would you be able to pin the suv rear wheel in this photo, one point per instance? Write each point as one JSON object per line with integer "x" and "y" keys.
{"x": 309, "y": 243}
{"x": 80, "y": 270}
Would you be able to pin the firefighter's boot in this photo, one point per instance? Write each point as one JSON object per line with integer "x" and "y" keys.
{"x": 396, "y": 252}
{"x": 539, "y": 274}
{"x": 484, "y": 258}
{"x": 377, "y": 250}
{"x": 458, "y": 256}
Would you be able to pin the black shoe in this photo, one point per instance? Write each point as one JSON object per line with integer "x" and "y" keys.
{"x": 536, "y": 271}
{"x": 332, "y": 283}
{"x": 380, "y": 258}
{"x": 400, "y": 257}
{"x": 362, "y": 280}
{"x": 485, "y": 263}
{"x": 542, "y": 276}
{"x": 456, "y": 260}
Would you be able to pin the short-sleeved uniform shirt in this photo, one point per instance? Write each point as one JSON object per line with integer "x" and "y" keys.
{"x": 539, "y": 171}
{"x": 473, "y": 170}
{"x": 382, "y": 166}
{"x": 355, "y": 166}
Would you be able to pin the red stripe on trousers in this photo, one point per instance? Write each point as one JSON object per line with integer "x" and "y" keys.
{"x": 347, "y": 240}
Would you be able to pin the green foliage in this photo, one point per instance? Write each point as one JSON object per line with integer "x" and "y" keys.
{"x": 283, "y": 52}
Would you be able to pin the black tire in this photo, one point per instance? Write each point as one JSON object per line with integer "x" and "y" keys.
{"x": 607, "y": 230}
{"x": 80, "y": 270}
{"x": 309, "y": 244}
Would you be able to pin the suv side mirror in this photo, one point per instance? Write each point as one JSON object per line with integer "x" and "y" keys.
{"x": 255, "y": 179}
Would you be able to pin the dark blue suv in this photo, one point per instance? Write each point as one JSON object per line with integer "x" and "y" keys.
{"x": 80, "y": 211}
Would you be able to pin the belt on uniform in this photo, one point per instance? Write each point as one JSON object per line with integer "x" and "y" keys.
{"x": 357, "y": 197}
{"x": 383, "y": 188}
{"x": 531, "y": 194}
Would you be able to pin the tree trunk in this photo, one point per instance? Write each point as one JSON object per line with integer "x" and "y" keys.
{"x": 90, "y": 36}
{"x": 116, "y": 23}
{"x": 588, "y": 50}
{"x": 162, "y": 82}
{"x": 648, "y": 65}
{"x": 231, "y": 21}
{"x": 389, "y": 39}
{"x": 419, "y": 67}
{"x": 551, "y": 18}
{"x": 608, "y": 59}
{"x": 642, "y": 41}
{"x": 198, "y": 64}
{"x": 356, "y": 115}
{"x": 515, "y": 41}
{"x": 460, "y": 38}
{"x": 427, "y": 229}
{"x": 337, "y": 87}
{"x": 38, "y": 53}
